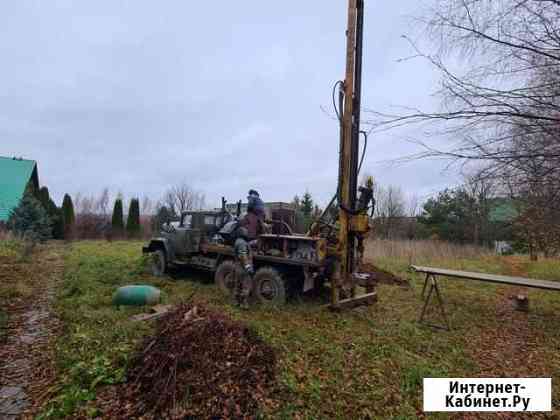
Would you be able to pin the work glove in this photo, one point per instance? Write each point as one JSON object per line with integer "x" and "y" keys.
{"x": 249, "y": 269}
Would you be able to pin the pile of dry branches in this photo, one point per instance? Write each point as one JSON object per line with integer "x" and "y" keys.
{"x": 199, "y": 363}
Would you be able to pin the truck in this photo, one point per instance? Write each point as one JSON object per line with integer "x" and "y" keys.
{"x": 285, "y": 263}
{"x": 330, "y": 253}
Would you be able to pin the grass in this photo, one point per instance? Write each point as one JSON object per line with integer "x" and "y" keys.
{"x": 15, "y": 283}
{"x": 9, "y": 247}
{"x": 422, "y": 251}
{"x": 349, "y": 365}
{"x": 544, "y": 269}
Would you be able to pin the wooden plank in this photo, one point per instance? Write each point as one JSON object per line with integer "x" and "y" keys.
{"x": 365, "y": 299}
{"x": 288, "y": 261}
{"x": 289, "y": 237}
{"x": 156, "y": 312}
{"x": 491, "y": 278}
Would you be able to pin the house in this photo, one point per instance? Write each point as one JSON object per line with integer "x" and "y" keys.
{"x": 503, "y": 210}
{"x": 15, "y": 175}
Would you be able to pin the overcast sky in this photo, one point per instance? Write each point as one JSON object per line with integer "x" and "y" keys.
{"x": 137, "y": 95}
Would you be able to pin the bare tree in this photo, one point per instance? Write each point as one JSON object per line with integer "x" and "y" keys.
{"x": 501, "y": 104}
{"x": 413, "y": 206}
{"x": 499, "y": 63}
{"x": 169, "y": 202}
{"x": 389, "y": 209}
{"x": 182, "y": 197}
{"x": 480, "y": 191}
{"x": 77, "y": 202}
{"x": 102, "y": 203}
{"x": 147, "y": 206}
{"x": 86, "y": 205}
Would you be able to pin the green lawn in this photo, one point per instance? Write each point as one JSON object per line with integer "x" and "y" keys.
{"x": 13, "y": 282}
{"x": 349, "y": 365}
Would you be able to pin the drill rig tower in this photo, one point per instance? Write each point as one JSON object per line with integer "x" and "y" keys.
{"x": 353, "y": 217}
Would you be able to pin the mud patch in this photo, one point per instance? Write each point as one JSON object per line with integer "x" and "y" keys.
{"x": 383, "y": 276}
{"x": 13, "y": 401}
{"x": 26, "y": 367}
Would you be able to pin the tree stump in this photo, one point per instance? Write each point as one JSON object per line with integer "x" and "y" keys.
{"x": 521, "y": 303}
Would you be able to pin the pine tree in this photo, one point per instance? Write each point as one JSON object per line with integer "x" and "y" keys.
{"x": 133, "y": 220}
{"x": 29, "y": 219}
{"x": 68, "y": 216}
{"x": 117, "y": 224}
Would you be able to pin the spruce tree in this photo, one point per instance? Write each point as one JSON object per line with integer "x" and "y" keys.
{"x": 29, "y": 219}
{"x": 58, "y": 223}
{"x": 44, "y": 197}
{"x": 117, "y": 224}
{"x": 54, "y": 213}
{"x": 304, "y": 212}
{"x": 307, "y": 204}
{"x": 162, "y": 216}
{"x": 133, "y": 220}
{"x": 68, "y": 217}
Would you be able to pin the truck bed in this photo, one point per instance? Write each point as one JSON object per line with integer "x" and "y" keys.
{"x": 228, "y": 250}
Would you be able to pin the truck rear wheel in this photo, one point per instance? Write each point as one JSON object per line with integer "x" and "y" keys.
{"x": 269, "y": 287}
{"x": 159, "y": 263}
{"x": 225, "y": 277}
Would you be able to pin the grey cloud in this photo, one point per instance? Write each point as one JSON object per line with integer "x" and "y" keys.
{"x": 226, "y": 95}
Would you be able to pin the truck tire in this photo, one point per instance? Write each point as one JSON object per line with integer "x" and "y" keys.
{"x": 159, "y": 263}
{"x": 225, "y": 277}
{"x": 269, "y": 287}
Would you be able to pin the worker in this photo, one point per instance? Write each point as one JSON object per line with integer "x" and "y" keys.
{"x": 366, "y": 197}
{"x": 244, "y": 268}
{"x": 255, "y": 204}
{"x": 254, "y": 220}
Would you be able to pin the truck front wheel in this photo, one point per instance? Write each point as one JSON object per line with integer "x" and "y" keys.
{"x": 159, "y": 263}
{"x": 269, "y": 287}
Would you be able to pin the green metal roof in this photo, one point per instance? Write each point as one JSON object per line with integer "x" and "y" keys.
{"x": 14, "y": 176}
{"x": 504, "y": 211}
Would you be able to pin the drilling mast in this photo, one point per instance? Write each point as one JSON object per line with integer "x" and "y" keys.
{"x": 353, "y": 218}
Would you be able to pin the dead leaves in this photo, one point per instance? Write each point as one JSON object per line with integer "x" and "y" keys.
{"x": 198, "y": 363}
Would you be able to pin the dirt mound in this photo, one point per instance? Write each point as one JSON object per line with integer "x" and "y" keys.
{"x": 383, "y": 276}
{"x": 199, "y": 363}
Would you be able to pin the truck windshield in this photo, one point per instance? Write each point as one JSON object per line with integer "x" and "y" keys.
{"x": 187, "y": 220}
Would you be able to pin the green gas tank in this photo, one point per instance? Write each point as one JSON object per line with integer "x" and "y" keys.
{"x": 137, "y": 295}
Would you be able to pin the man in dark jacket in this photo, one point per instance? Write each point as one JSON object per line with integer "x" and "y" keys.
{"x": 254, "y": 220}
{"x": 255, "y": 205}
